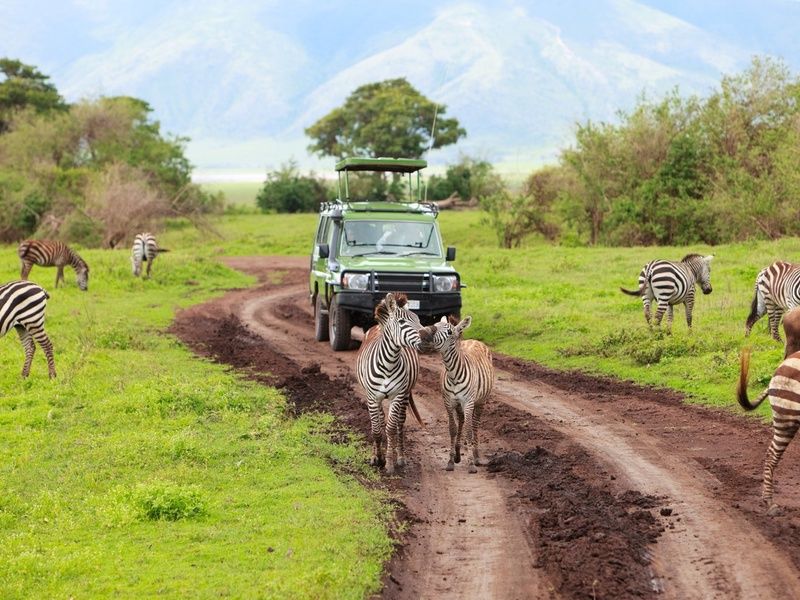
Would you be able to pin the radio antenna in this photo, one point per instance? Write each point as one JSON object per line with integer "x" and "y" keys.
{"x": 433, "y": 129}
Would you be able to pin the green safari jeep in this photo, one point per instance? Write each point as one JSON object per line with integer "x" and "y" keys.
{"x": 364, "y": 249}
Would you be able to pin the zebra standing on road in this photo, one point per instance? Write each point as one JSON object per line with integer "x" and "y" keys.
{"x": 670, "y": 283}
{"x": 387, "y": 365}
{"x": 145, "y": 249}
{"x": 784, "y": 397}
{"x": 466, "y": 383}
{"x": 777, "y": 290}
{"x": 22, "y": 306}
{"x": 49, "y": 253}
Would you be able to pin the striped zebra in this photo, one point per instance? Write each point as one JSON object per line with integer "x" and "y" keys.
{"x": 387, "y": 365}
{"x": 466, "y": 383}
{"x": 145, "y": 249}
{"x": 784, "y": 397}
{"x": 670, "y": 283}
{"x": 49, "y": 253}
{"x": 22, "y": 306}
{"x": 777, "y": 290}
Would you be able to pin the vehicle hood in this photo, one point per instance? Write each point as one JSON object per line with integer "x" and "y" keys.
{"x": 395, "y": 263}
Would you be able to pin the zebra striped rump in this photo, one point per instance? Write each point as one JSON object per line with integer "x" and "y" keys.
{"x": 22, "y": 306}
{"x": 784, "y": 398}
{"x": 777, "y": 290}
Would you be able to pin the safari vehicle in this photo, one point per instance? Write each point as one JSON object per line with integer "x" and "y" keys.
{"x": 364, "y": 249}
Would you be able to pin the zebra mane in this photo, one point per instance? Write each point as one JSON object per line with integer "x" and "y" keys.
{"x": 689, "y": 257}
{"x": 452, "y": 320}
{"x": 382, "y": 313}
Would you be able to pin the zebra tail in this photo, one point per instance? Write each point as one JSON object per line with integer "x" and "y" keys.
{"x": 23, "y": 248}
{"x": 639, "y": 292}
{"x": 162, "y": 250}
{"x": 414, "y": 409}
{"x": 753, "y": 316}
{"x": 741, "y": 389}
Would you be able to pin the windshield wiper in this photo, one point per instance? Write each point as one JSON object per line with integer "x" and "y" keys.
{"x": 373, "y": 252}
{"x": 419, "y": 252}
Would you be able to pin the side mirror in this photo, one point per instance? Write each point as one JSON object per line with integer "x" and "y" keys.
{"x": 451, "y": 253}
{"x": 324, "y": 250}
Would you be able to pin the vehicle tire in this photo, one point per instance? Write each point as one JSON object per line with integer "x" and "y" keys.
{"x": 320, "y": 321}
{"x": 338, "y": 326}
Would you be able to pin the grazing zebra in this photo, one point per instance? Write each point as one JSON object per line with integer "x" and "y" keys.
{"x": 48, "y": 253}
{"x": 386, "y": 367}
{"x": 670, "y": 283}
{"x": 784, "y": 397}
{"x": 466, "y": 384}
{"x": 777, "y": 290}
{"x": 145, "y": 249}
{"x": 22, "y": 306}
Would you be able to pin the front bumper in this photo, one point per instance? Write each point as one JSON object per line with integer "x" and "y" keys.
{"x": 430, "y": 304}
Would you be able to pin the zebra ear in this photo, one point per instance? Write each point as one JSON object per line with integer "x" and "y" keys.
{"x": 391, "y": 302}
{"x": 708, "y": 258}
{"x": 443, "y": 320}
{"x": 464, "y": 324}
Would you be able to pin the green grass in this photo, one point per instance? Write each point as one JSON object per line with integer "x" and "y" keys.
{"x": 143, "y": 471}
{"x": 562, "y": 306}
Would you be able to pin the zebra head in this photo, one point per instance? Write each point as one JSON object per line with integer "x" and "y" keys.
{"x": 442, "y": 336}
{"x": 83, "y": 278}
{"x": 701, "y": 267}
{"x": 399, "y": 325}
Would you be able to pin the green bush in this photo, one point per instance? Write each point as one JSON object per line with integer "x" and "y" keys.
{"x": 169, "y": 502}
{"x": 286, "y": 191}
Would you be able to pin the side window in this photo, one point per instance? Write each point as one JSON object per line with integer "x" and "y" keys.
{"x": 321, "y": 230}
{"x": 327, "y": 235}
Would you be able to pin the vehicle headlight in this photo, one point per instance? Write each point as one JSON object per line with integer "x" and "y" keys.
{"x": 355, "y": 281}
{"x": 445, "y": 283}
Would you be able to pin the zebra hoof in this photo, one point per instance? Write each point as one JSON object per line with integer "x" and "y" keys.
{"x": 449, "y": 466}
{"x": 774, "y": 510}
{"x": 401, "y": 462}
{"x": 458, "y": 455}
{"x": 472, "y": 469}
{"x": 389, "y": 469}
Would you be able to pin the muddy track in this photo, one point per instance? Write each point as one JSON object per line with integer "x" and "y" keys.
{"x": 595, "y": 488}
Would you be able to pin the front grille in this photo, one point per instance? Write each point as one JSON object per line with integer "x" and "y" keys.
{"x": 401, "y": 282}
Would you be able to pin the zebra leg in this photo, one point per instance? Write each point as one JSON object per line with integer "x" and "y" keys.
{"x": 774, "y": 320}
{"x": 28, "y": 346}
{"x": 469, "y": 439}
{"x": 783, "y": 430}
{"x": 451, "y": 418}
{"x": 59, "y": 275}
{"x": 460, "y": 415}
{"x": 401, "y": 433}
{"x": 660, "y": 313}
{"x": 392, "y": 422}
{"x": 646, "y": 305}
{"x": 26, "y": 269}
{"x": 670, "y": 317}
{"x": 149, "y": 266}
{"x": 476, "y": 422}
{"x": 41, "y": 338}
{"x": 376, "y": 420}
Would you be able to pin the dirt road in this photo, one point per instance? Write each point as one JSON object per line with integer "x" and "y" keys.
{"x": 595, "y": 488}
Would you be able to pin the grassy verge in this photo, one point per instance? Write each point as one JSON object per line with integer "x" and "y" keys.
{"x": 562, "y": 306}
{"x": 143, "y": 471}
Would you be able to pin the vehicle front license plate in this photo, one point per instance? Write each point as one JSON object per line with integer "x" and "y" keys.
{"x": 413, "y": 304}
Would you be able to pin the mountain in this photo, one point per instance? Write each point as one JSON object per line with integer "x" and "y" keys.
{"x": 244, "y": 79}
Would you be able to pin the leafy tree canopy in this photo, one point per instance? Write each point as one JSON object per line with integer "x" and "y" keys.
{"x": 23, "y": 86}
{"x": 388, "y": 118}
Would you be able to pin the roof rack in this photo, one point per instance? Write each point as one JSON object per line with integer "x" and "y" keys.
{"x": 396, "y": 165}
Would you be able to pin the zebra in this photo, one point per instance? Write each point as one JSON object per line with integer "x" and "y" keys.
{"x": 466, "y": 383}
{"x": 145, "y": 248}
{"x": 670, "y": 283}
{"x": 22, "y": 306}
{"x": 784, "y": 397}
{"x": 777, "y": 290}
{"x": 387, "y": 365}
{"x": 49, "y": 253}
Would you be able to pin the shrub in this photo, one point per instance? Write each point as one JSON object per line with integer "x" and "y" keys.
{"x": 168, "y": 502}
{"x": 286, "y": 191}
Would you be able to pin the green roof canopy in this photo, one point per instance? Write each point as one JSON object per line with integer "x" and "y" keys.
{"x": 395, "y": 165}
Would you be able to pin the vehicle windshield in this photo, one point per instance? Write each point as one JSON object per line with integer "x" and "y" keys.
{"x": 398, "y": 238}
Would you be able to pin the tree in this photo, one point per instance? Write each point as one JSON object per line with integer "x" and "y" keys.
{"x": 24, "y": 86}
{"x": 469, "y": 178}
{"x": 388, "y": 118}
{"x": 286, "y": 191}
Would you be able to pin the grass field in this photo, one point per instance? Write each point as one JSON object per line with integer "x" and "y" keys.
{"x": 143, "y": 471}
{"x": 239, "y": 194}
{"x": 562, "y": 307}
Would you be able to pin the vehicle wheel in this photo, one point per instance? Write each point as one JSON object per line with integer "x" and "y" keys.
{"x": 320, "y": 321}
{"x": 338, "y": 326}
